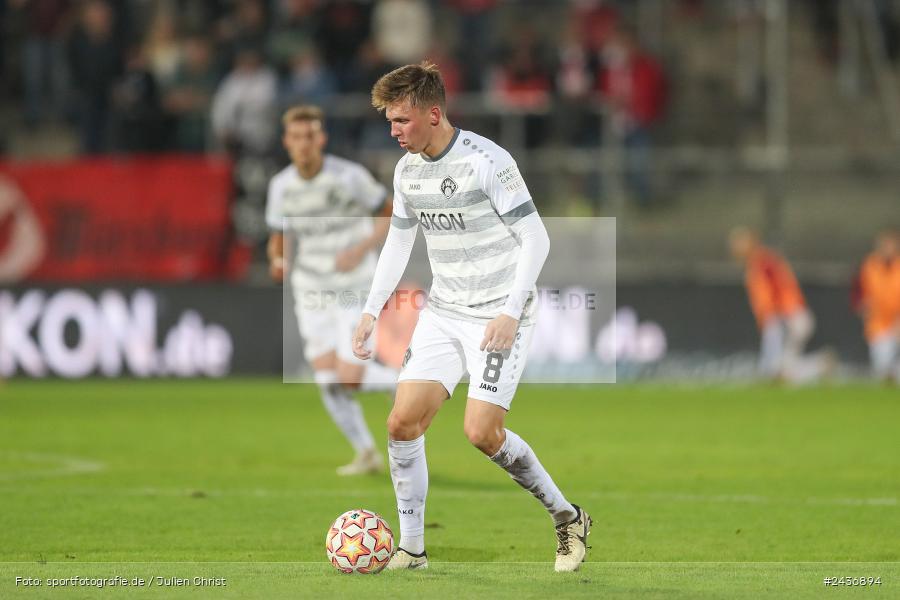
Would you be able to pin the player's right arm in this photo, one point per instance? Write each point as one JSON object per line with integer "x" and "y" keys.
{"x": 391, "y": 264}
{"x": 275, "y": 249}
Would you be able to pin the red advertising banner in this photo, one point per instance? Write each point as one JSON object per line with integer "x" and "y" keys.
{"x": 150, "y": 219}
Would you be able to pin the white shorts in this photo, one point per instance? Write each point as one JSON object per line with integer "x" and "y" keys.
{"x": 444, "y": 349}
{"x": 327, "y": 325}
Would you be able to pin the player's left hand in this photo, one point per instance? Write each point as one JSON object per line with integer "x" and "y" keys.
{"x": 349, "y": 258}
{"x": 499, "y": 334}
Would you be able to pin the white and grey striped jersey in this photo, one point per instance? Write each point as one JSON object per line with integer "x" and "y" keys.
{"x": 327, "y": 214}
{"x": 465, "y": 201}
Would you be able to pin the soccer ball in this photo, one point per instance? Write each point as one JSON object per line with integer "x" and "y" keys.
{"x": 359, "y": 541}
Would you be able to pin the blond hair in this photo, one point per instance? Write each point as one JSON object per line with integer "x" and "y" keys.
{"x": 303, "y": 112}
{"x": 421, "y": 84}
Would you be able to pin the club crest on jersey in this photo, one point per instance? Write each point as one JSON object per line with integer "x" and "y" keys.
{"x": 448, "y": 187}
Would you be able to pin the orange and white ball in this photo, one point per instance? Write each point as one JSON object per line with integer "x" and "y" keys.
{"x": 359, "y": 541}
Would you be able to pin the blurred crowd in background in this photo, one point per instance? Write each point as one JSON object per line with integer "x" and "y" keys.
{"x": 193, "y": 76}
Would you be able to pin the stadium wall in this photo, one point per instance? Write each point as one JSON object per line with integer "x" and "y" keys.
{"x": 217, "y": 330}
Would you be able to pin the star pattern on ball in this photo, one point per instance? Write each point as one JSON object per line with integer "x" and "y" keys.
{"x": 384, "y": 538}
{"x": 352, "y": 547}
{"x": 337, "y": 565}
{"x": 358, "y": 518}
{"x": 375, "y": 565}
{"x": 332, "y": 534}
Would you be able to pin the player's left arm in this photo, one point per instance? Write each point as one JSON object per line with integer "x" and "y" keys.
{"x": 512, "y": 201}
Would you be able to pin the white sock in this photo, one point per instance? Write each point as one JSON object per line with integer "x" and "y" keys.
{"x": 409, "y": 472}
{"x": 518, "y": 459}
{"x": 378, "y": 378}
{"x": 345, "y": 411}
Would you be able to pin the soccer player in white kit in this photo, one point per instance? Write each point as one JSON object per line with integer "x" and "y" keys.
{"x": 327, "y": 203}
{"x": 486, "y": 245}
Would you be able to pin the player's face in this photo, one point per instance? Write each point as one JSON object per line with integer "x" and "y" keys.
{"x": 411, "y": 126}
{"x": 304, "y": 141}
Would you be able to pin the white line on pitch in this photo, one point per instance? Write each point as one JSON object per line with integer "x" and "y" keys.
{"x": 55, "y": 465}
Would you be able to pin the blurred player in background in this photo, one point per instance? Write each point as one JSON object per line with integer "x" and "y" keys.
{"x": 878, "y": 302}
{"x": 785, "y": 322}
{"x": 325, "y": 205}
{"x": 486, "y": 245}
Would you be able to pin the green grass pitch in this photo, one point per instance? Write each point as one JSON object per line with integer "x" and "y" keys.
{"x": 696, "y": 492}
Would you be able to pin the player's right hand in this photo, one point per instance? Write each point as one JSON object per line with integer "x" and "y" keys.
{"x": 361, "y": 335}
{"x": 276, "y": 269}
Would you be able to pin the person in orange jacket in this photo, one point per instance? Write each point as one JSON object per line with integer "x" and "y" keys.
{"x": 878, "y": 303}
{"x": 785, "y": 322}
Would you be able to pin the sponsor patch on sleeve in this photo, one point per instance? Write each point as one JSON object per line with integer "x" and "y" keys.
{"x": 511, "y": 179}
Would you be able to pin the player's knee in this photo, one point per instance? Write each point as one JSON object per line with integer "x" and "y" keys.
{"x": 402, "y": 427}
{"x": 485, "y": 438}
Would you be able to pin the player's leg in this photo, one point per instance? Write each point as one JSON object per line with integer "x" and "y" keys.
{"x": 484, "y": 427}
{"x": 318, "y": 329}
{"x": 494, "y": 378}
{"x": 883, "y": 355}
{"x": 800, "y": 367}
{"x": 771, "y": 349}
{"x": 414, "y": 407}
{"x": 368, "y": 460}
{"x": 347, "y": 414}
{"x": 350, "y": 371}
{"x": 432, "y": 368}
{"x": 799, "y": 328}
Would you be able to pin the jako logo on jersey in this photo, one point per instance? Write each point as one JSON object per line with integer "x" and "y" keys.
{"x": 490, "y": 388}
{"x": 448, "y": 187}
{"x": 405, "y": 511}
{"x": 441, "y": 221}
